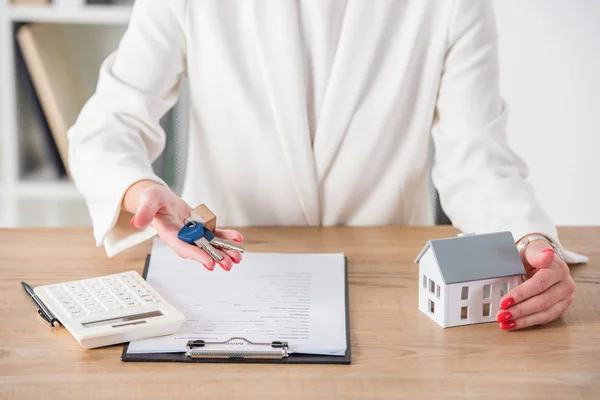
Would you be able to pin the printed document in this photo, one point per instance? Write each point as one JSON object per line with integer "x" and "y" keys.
{"x": 297, "y": 298}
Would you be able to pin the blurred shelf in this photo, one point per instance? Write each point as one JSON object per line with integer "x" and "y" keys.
{"x": 100, "y": 15}
{"x": 54, "y": 190}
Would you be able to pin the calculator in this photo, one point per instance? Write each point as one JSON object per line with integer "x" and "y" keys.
{"x": 110, "y": 309}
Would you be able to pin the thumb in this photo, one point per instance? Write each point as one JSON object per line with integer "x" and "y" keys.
{"x": 149, "y": 204}
{"x": 538, "y": 254}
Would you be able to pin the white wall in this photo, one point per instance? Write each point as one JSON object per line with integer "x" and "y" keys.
{"x": 550, "y": 77}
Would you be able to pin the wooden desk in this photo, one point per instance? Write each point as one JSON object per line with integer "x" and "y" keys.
{"x": 397, "y": 351}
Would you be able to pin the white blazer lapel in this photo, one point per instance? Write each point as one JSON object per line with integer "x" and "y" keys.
{"x": 281, "y": 60}
{"x": 355, "y": 60}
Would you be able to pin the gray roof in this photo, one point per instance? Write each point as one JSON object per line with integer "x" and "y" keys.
{"x": 476, "y": 257}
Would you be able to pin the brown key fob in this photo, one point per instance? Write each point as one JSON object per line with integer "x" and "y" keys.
{"x": 206, "y": 217}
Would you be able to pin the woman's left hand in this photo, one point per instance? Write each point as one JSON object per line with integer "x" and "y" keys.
{"x": 544, "y": 296}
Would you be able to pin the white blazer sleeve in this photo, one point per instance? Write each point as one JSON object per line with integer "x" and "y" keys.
{"x": 117, "y": 134}
{"x": 481, "y": 181}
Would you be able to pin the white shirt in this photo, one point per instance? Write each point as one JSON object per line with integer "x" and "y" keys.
{"x": 309, "y": 113}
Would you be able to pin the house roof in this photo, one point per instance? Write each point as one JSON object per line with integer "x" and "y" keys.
{"x": 475, "y": 257}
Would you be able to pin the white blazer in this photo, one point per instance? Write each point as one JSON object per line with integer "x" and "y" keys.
{"x": 309, "y": 113}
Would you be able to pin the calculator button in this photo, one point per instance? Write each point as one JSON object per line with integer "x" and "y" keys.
{"x": 57, "y": 291}
{"x": 91, "y": 303}
{"x": 131, "y": 303}
{"x": 75, "y": 287}
{"x": 77, "y": 313}
{"x": 113, "y": 305}
{"x": 148, "y": 299}
{"x": 73, "y": 308}
{"x": 105, "y": 297}
{"x": 95, "y": 309}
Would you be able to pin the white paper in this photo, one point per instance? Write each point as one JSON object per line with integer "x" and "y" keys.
{"x": 298, "y": 298}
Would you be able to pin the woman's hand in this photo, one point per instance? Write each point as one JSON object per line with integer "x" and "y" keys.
{"x": 544, "y": 296}
{"x": 156, "y": 205}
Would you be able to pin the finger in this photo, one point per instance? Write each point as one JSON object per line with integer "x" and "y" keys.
{"x": 150, "y": 203}
{"x": 533, "y": 286}
{"x": 543, "y": 301}
{"x": 226, "y": 262}
{"x": 539, "y": 254}
{"x": 539, "y": 318}
{"x": 234, "y": 255}
{"x": 189, "y": 251}
{"x": 229, "y": 234}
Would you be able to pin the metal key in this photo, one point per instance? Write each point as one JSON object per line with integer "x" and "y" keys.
{"x": 193, "y": 233}
{"x": 222, "y": 243}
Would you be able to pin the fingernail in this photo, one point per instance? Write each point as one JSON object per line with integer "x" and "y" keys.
{"x": 507, "y": 325}
{"x": 548, "y": 251}
{"x": 225, "y": 266}
{"x": 209, "y": 268}
{"x": 507, "y": 303}
{"x": 133, "y": 222}
{"x": 237, "y": 240}
{"x": 505, "y": 316}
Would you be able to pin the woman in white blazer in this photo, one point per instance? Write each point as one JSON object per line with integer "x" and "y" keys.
{"x": 314, "y": 113}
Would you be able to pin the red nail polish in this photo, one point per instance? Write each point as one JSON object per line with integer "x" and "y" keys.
{"x": 505, "y": 316}
{"x": 507, "y": 325}
{"x": 133, "y": 222}
{"x": 507, "y": 303}
{"x": 548, "y": 251}
{"x": 209, "y": 268}
{"x": 225, "y": 267}
{"x": 237, "y": 240}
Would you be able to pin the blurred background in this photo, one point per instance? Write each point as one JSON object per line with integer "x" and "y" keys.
{"x": 51, "y": 50}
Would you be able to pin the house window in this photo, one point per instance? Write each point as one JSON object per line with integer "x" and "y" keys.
{"x": 486, "y": 309}
{"x": 503, "y": 289}
{"x": 431, "y": 307}
{"x": 424, "y": 281}
{"x": 464, "y": 295}
{"x": 437, "y": 291}
{"x": 432, "y": 286}
{"x": 464, "y": 312}
{"x": 487, "y": 291}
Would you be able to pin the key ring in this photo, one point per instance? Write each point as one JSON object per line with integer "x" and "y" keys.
{"x": 186, "y": 220}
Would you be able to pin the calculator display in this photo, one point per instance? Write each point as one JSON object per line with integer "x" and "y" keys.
{"x": 124, "y": 321}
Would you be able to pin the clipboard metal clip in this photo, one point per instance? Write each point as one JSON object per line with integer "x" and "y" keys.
{"x": 237, "y": 348}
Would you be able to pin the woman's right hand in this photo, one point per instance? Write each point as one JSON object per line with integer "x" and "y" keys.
{"x": 156, "y": 205}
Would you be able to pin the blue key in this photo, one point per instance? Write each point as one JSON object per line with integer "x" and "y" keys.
{"x": 193, "y": 233}
{"x": 190, "y": 232}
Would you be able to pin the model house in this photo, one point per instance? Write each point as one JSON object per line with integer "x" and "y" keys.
{"x": 462, "y": 279}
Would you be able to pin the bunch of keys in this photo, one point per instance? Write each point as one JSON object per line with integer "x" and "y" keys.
{"x": 194, "y": 232}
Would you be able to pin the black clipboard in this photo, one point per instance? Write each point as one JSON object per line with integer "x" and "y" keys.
{"x": 291, "y": 359}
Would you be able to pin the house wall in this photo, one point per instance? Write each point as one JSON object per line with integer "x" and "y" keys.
{"x": 475, "y": 300}
{"x": 428, "y": 267}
